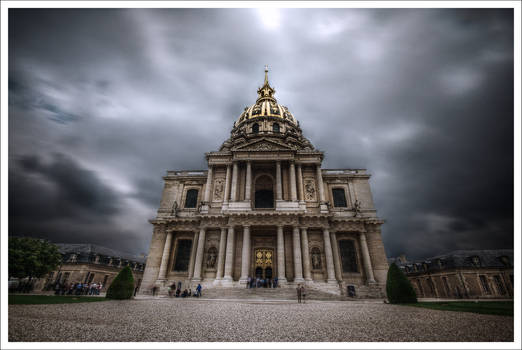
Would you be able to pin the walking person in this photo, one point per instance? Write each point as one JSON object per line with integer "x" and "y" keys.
{"x": 198, "y": 290}
{"x": 298, "y": 289}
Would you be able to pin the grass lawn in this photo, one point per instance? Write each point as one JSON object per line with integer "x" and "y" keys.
{"x": 503, "y": 308}
{"x": 51, "y": 299}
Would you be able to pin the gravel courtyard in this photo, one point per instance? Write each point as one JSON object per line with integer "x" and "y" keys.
{"x": 174, "y": 320}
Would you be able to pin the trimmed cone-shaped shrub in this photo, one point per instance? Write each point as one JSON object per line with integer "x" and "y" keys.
{"x": 398, "y": 287}
{"x": 122, "y": 287}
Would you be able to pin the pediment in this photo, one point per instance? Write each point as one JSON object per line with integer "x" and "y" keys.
{"x": 264, "y": 145}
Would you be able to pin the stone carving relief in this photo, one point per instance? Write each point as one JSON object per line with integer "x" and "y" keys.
{"x": 219, "y": 188}
{"x": 309, "y": 189}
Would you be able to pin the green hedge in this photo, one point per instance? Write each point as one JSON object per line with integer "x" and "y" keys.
{"x": 122, "y": 287}
{"x": 398, "y": 287}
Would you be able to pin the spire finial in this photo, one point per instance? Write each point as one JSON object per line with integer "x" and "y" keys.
{"x": 266, "y": 73}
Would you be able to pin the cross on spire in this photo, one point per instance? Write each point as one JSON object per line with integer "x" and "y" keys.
{"x": 266, "y": 73}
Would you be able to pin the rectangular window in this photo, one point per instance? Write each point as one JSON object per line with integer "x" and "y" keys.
{"x": 446, "y": 286}
{"x": 183, "y": 255}
{"x": 500, "y": 285}
{"x": 339, "y": 198}
{"x": 484, "y": 284}
{"x": 105, "y": 280}
{"x": 191, "y": 201}
{"x": 348, "y": 255}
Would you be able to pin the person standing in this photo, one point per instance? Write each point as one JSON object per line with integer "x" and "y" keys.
{"x": 248, "y": 282}
{"x": 298, "y": 289}
{"x": 198, "y": 290}
{"x": 303, "y": 294}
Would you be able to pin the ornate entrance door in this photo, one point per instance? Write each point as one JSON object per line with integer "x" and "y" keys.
{"x": 263, "y": 263}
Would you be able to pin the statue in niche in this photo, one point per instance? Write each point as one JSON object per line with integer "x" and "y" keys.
{"x": 356, "y": 208}
{"x": 316, "y": 258}
{"x": 211, "y": 258}
{"x": 174, "y": 210}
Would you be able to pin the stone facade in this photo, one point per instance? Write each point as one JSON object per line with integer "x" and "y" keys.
{"x": 266, "y": 208}
{"x": 462, "y": 274}
{"x": 88, "y": 263}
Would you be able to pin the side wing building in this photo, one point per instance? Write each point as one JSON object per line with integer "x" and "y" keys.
{"x": 266, "y": 209}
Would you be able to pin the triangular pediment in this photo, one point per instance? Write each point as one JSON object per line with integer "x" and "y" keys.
{"x": 263, "y": 145}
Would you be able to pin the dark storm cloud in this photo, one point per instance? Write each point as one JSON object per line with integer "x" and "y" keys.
{"x": 422, "y": 98}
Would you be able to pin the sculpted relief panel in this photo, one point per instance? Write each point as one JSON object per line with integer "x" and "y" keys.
{"x": 309, "y": 185}
{"x": 219, "y": 188}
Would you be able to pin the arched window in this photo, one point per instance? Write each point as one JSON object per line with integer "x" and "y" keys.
{"x": 348, "y": 255}
{"x": 255, "y": 128}
{"x": 275, "y": 127}
{"x": 192, "y": 198}
{"x": 339, "y": 198}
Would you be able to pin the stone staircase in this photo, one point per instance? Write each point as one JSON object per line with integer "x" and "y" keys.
{"x": 268, "y": 294}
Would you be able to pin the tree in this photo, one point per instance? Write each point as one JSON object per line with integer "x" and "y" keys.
{"x": 122, "y": 287}
{"x": 398, "y": 287}
{"x": 32, "y": 257}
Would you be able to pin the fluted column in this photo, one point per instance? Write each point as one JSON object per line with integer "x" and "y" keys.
{"x": 193, "y": 255}
{"x": 306, "y": 254}
{"x": 366, "y": 258}
{"x": 293, "y": 190}
{"x": 165, "y": 257}
{"x": 336, "y": 258}
{"x": 233, "y": 191}
{"x": 209, "y": 184}
{"x": 227, "y": 186}
{"x": 320, "y": 183}
{"x": 281, "y": 274}
{"x": 245, "y": 254}
{"x": 330, "y": 270}
{"x": 279, "y": 186}
{"x": 229, "y": 255}
{"x": 248, "y": 182}
{"x": 300, "y": 187}
{"x": 199, "y": 254}
{"x": 298, "y": 269}
{"x": 221, "y": 254}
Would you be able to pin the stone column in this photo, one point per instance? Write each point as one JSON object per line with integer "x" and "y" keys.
{"x": 306, "y": 254}
{"x": 366, "y": 258}
{"x": 293, "y": 192}
{"x": 209, "y": 184}
{"x": 329, "y": 256}
{"x": 226, "y": 196}
{"x": 298, "y": 269}
{"x": 281, "y": 274}
{"x": 193, "y": 255}
{"x": 300, "y": 183}
{"x": 336, "y": 258}
{"x": 245, "y": 255}
{"x": 199, "y": 255}
{"x": 233, "y": 192}
{"x": 279, "y": 186}
{"x": 229, "y": 260}
{"x": 221, "y": 254}
{"x": 248, "y": 182}
{"x": 320, "y": 183}
{"x": 165, "y": 257}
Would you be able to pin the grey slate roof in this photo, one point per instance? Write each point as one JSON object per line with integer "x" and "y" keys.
{"x": 462, "y": 259}
{"x": 87, "y": 249}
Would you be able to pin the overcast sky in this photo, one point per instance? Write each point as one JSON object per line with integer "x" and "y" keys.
{"x": 103, "y": 102}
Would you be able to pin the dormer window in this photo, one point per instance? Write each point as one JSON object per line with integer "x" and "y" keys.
{"x": 275, "y": 127}
{"x": 255, "y": 128}
{"x": 505, "y": 261}
{"x": 475, "y": 260}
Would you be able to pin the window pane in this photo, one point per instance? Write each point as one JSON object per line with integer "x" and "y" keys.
{"x": 255, "y": 128}
{"x": 183, "y": 255}
{"x": 339, "y": 197}
{"x": 276, "y": 127}
{"x": 348, "y": 255}
{"x": 192, "y": 199}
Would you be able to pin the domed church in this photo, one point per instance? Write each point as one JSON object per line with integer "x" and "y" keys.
{"x": 266, "y": 210}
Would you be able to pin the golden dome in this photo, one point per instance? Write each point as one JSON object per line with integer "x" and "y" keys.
{"x": 266, "y": 106}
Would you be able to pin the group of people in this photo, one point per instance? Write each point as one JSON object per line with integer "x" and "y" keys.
{"x": 175, "y": 291}
{"x": 261, "y": 282}
{"x": 78, "y": 288}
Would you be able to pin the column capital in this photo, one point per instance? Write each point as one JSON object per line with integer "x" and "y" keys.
{"x": 247, "y": 226}
{"x": 305, "y": 228}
